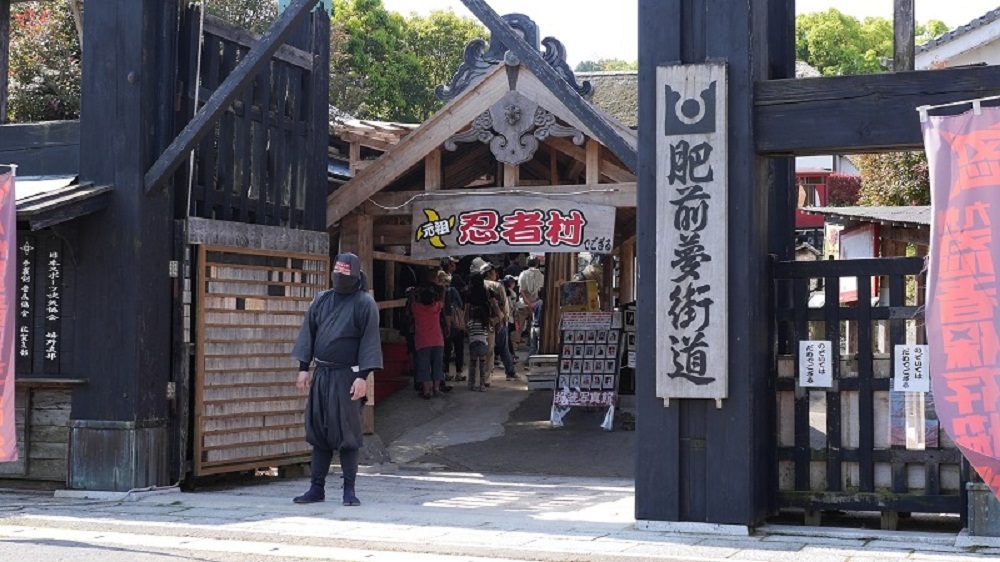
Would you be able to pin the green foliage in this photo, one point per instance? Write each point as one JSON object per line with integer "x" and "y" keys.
{"x": 930, "y": 30}
{"x": 255, "y": 15}
{"x": 606, "y": 65}
{"x": 392, "y": 63}
{"x": 835, "y": 43}
{"x": 438, "y": 41}
{"x": 842, "y": 190}
{"x": 893, "y": 179}
{"x": 44, "y": 63}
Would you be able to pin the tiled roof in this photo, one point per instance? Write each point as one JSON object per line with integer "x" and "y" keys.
{"x": 617, "y": 93}
{"x": 916, "y": 216}
{"x": 973, "y": 25}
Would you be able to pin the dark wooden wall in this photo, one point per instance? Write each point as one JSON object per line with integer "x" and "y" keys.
{"x": 123, "y": 252}
{"x": 42, "y": 149}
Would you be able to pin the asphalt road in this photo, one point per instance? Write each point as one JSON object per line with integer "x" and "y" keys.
{"x": 46, "y": 544}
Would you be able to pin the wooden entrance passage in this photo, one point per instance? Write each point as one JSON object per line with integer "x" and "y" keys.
{"x": 858, "y": 445}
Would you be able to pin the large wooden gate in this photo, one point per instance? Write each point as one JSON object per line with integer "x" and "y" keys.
{"x": 858, "y": 445}
{"x": 248, "y": 306}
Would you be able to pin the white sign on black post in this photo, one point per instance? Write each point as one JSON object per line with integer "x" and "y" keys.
{"x": 816, "y": 364}
{"x": 911, "y": 373}
{"x": 692, "y": 271}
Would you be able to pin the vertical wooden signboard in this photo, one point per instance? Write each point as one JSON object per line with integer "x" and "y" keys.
{"x": 692, "y": 231}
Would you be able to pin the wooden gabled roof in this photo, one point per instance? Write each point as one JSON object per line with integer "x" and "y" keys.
{"x": 451, "y": 119}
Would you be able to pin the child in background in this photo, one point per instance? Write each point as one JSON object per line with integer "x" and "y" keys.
{"x": 478, "y": 325}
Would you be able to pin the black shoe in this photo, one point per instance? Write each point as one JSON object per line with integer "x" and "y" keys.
{"x": 445, "y": 388}
{"x": 314, "y": 495}
{"x": 350, "y": 499}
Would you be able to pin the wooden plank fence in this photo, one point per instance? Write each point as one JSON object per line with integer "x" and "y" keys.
{"x": 249, "y": 306}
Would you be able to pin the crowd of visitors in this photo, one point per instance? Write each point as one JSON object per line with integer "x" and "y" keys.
{"x": 482, "y": 311}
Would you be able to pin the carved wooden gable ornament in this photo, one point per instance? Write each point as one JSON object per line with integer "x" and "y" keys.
{"x": 512, "y": 127}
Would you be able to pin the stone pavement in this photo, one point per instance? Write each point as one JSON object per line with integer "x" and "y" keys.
{"x": 414, "y": 514}
{"x": 475, "y": 477}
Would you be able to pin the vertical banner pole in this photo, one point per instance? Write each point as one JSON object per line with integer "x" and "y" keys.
{"x": 8, "y": 289}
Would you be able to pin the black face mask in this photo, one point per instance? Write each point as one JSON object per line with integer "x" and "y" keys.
{"x": 347, "y": 277}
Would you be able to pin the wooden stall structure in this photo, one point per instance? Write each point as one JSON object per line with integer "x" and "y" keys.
{"x": 575, "y": 155}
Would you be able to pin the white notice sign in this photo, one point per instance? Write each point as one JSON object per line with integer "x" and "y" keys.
{"x": 692, "y": 271}
{"x": 912, "y": 369}
{"x": 815, "y": 364}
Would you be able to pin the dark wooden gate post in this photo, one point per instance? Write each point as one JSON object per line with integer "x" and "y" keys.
{"x": 120, "y": 428}
{"x": 697, "y": 463}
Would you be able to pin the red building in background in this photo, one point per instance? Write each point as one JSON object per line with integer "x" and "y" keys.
{"x": 812, "y": 184}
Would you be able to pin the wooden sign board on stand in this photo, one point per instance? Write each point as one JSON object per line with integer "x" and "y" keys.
{"x": 590, "y": 346}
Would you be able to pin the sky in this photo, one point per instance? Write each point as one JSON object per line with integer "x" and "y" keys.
{"x": 580, "y": 23}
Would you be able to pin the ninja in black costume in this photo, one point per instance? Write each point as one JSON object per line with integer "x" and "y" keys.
{"x": 340, "y": 332}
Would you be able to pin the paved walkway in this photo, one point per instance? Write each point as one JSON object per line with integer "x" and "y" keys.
{"x": 419, "y": 515}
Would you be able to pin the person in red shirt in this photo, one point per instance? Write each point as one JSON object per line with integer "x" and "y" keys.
{"x": 429, "y": 340}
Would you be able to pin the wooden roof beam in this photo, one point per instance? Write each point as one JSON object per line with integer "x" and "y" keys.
{"x": 621, "y": 195}
{"x": 806, "y": 116}
{"x": 579, "y": 153}
{"x": 400, "y": 158}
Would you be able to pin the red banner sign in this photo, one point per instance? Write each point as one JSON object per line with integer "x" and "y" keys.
{"x": 8, "y": 330}
{"x": 963, "y": 310}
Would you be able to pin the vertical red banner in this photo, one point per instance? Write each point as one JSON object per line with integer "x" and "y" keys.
{"x": 963, "y": 310}
{"x": 8, "y": 329}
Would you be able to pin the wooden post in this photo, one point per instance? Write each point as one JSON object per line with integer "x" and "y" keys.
{"x": 127, "y": 119}
{"x": 354, "y": 157}
{"x": 356, "y": 233}
{"x": 559, "y": 268}
{"x": 593, "y": 162}
{"x": 626, "y": 282}
{"x": 77, "y": 18}
{"x": 701, "y": 462}
{"x": 553, "y": 166}
{"x": 608, "y": 282}
{"x": 904, "y": 36}
{"x": 511, "y": 175}
{"x": 4, "y": 56}
{"x": 432, "y": 170}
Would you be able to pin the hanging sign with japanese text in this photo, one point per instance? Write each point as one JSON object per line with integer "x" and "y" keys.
{"x": 490, "y": 224}
{"x": 815, "y": 364}
{"x": 963, "y": 153}
{"x": 912, "y": 369}
{"x": 692, "y": 350}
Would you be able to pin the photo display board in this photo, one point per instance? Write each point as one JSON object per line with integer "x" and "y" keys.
{"x": 589, "y": 358}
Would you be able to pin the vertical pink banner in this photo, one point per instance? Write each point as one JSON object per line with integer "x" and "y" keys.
{"x": 963, "y": 310}
{"x": 8, "y": 329}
